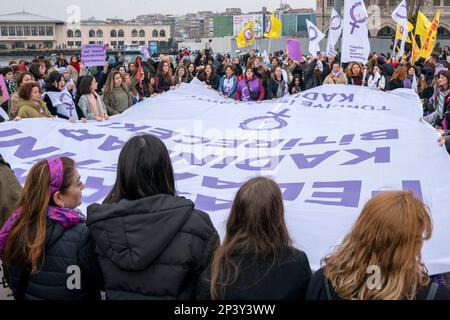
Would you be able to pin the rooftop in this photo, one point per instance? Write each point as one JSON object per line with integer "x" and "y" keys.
{"x": 27, "y": 17}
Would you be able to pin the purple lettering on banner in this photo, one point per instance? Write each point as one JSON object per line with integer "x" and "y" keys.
{"x": 25, "y": 149}
{"x": 348, "y": 197}
{"x": 161, "y": 133}
{"x": 80, "y": 135}
{"x": 388, "y": 134}
{"x": 191, "y": 159}
{"x": 318, "y": 140}
{"x": 215, "y": 183}
{"x": 329, "y": 97}
{"x": 184, "y": 176}
{"x": 226, "y": 161}
{"x": 226, "y": 143}
{"x": 303, "y": 161}
{"x": 211, "y": 204}
{"x": 368, "y": 106}
{"x": 311, "y": 96}
{"x": 65, "y": 154}
{"x": 273, "y": 162}
{"x": 290, "y": 144}
{"x": 411, "y": 185}
{"x": 101, "y": 192}
{"x": 347, "y": 139}
{"x": 108, "y": 124}
{"x": 11, "y": 132}
{"x": 200, "y": 140}
{"x": 307, "y": 103}
{"x": 86, "y": 163}
{"x": 381, "y": 155}
{"x": 291, "y": 190}
{"x": 347, "y": 98}
{"x": 258, "y": 144}
{"x": 112, "y": 143}
{"x": 127, "y": 126}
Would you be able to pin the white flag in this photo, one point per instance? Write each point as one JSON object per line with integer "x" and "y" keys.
{"x": 334, "y": 32}
{"x": 315, "y": 36}
{"x": 64, "y": 104}
{"x": 414, "y": 85}
{"x": 400, "y": 15}
{"x": 355, "y": 36}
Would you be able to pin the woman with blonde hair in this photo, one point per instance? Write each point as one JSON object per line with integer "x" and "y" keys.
{"x": 380, "y": 259}
{"x": 397, "y": 80}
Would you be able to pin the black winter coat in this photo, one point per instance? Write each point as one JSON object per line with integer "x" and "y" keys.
{"x": 152, "y": 248}
{"x": 63, "y": 248}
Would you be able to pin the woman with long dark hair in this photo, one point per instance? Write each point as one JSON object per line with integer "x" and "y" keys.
{"x": 164, "y": 78}
{"x": 209, "y": 77}
{"x": 91, "y": 103}
{"x": 46, "y": 235}
{"x": 256, "y": 261}
{"x": 152, "y": 244}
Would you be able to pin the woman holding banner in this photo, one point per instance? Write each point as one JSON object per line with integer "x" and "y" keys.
{"x": 13, "y": 103}
{"x": 250, "y": 88}
{"x": 256, "y": 261}
{"x": 228, "y": 83}
{"x": 46, "y": 236}
{"x": 59, "y": 100}
{"x": 380, "y": 259}
{"x": 376, "y": 79}
{"x": 90, "y": 102}
{"x": 117, "y": 97}
{"x": 31, "y": 104}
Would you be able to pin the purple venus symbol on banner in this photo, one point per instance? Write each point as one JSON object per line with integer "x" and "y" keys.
{"x": 357, "y": 19}
{"x": 313, "y": 31}
{"x": 248, "y": 34}
{"x": 69, "y": 104}
{"x": 336, "y": 23}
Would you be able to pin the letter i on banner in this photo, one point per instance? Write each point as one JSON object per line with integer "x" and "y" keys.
{"x": 355, "y": 36}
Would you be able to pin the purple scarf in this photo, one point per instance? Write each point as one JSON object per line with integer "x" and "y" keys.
{"x": 66, "y": 217}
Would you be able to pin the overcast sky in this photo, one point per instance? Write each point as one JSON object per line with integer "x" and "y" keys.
{"x": 131, "y": 8}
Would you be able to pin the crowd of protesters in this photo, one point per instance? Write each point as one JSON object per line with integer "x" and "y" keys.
{"x": 109, "y": 90}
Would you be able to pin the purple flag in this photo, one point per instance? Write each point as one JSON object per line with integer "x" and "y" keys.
{"x": 294, "y": 50}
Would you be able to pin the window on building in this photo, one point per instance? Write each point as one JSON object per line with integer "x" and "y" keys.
{"x": 114, "y": 43}
{"x": 162, "y": 33}
{"x": 437, "y": 3}
{"x": 446, "y": 3}
{"x": 12, "y": 30}
{"x": 69, "y": 33}
{"x": 26, "y": 31}
{"x": 135, "y": 42}
{"x": 91, "y": 34}
{"x": 34, "y": 31}
{"x": 121, "y": 34}
{"x": 141, "y": 43}
{"x": 99, "y": 34}
{"x": 70, "y": 43}
{"x": 330, "y": 3}
{"x": 386, "y": 32}
{"x": 113, "y": 34}
{"x": 91, "y": 42}
{"x": 134, "y": 33}
{"x": 77, "y": 34}
{"x": 4, "y": 31}
{"x": 41, "y": 31}
{"x": 49, "y": 31}
{"x": 121, "y": 43}
{"x": 142, "y": 33}
{"x": 443, "y": 33}
{"x": 155, "y": 34}
{"x": 99, "y": 42}
{"x": 78, "y": 44}
{"x": 19, "y": 30}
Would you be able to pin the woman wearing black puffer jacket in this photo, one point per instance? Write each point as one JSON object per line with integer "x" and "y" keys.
{"x": 151, "y": 243}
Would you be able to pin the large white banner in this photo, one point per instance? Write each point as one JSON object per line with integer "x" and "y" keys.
{"x": 330, "y": 149}
{"x": 355, "y": 35}
{"x": 334, "y": 32}
{"x": 315, "y": 36}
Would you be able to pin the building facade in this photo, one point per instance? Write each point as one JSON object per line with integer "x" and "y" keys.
{"x": 24, "y": 30}
{"x": 380, "y": 23}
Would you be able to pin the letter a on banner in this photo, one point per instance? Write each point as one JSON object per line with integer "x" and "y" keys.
{"x": 355, "y": 36}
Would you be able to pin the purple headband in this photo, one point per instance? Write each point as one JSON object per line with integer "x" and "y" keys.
{"x": 56, "y": 174}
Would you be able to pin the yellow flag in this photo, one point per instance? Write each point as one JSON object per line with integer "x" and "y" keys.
{"x": 399, "y": 35}
{"x": 247, "y": 35}
{"x": 415, "y": 51}
{"x": 427, "y": 48}
{"x": 274, "y": 27}
{"x": 422, "y": 27}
